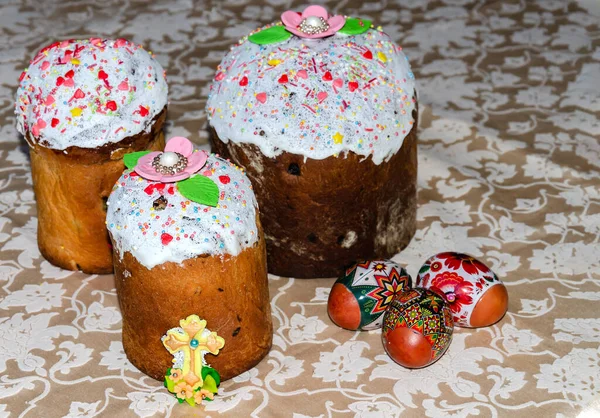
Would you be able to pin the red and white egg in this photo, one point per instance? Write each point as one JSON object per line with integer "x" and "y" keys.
{"x": 474, "y": 293}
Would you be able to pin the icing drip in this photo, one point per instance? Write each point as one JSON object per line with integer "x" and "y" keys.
{"x": 156, "y": 224}
{"x": 315, "y": 97}
{"x": 88, "y": 93}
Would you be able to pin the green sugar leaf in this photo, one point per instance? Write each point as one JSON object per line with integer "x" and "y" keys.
{"x": 212, "y": 372}
{"x": 210, "y": 384}
{"x": 355, "y": 26}
{"x": 200, "y": 189}
{"x": 170, "y": 385}
{"x": 270, "y": 35}
{"x": 132, "y": 158}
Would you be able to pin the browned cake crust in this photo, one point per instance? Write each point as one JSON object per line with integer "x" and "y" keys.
{"x": 323, "y": 215}
{"x": 71, "y": 190}
{"x": 231, "y": 293}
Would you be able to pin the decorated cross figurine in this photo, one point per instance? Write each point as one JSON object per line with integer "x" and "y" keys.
{"x": 190, "y": 378}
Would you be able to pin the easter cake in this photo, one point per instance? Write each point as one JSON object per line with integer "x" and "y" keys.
{"x": 321, "y": 110}
{"x": 187, "y": 240}
{"x": 81, "y": 105}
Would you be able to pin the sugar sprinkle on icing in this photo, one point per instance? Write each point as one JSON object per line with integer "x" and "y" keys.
{"x": 315, "y": 97}
{"x": 178, "y": 229}
{"x": 88, "y": 93}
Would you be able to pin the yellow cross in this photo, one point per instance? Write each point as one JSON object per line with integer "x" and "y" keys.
{"x": 193, "y": 344}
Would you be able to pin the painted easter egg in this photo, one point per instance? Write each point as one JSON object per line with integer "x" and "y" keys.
{"x": 474, "y": 293}
{"x": 361, "y": 295}
{"x": 417, "y": 328}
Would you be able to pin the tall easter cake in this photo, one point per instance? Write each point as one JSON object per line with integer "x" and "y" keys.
{"x": 187, "y": 240}
{"x": 81, "y": 105}
{"x": 321, "y": 111}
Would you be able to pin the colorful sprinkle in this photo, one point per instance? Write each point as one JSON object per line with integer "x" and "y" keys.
{"x": 261, "y": 97}
{"x": 166, "y": 238}
{"x": 111, "y": 105}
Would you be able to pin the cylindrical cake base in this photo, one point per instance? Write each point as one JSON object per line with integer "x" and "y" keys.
{"x": 71, "y": 188}
{"x": 230, "y": 292}
{"x": 323, "y": 215}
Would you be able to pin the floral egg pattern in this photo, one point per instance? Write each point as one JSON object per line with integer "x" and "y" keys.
{"x": 464, "y": 281}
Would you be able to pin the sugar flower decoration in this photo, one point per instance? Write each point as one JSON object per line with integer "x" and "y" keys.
{"x": 178, "y": 162}
{"x": 314, "y": 22}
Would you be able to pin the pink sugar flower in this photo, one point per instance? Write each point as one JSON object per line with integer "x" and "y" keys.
{"x": 314, "y": 22}
{"x": 178, "y": 162}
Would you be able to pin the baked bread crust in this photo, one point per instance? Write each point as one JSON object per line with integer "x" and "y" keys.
{"x": 230, "y": 292}
{"x": 71, "y": 188}
{"x": 321, "y": 216}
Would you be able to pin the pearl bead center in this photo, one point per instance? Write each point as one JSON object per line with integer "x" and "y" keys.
{"x": 313, "y": 25}
{"x": 168, "y": 159}
{"x": 313, "y": 21}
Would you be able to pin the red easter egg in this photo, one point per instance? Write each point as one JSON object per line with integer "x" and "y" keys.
{"x": 408, "y": 347}
{"x": 343, "y": 307}
{"x": 361, "y": 295}
{"x": 417, "y": 328}
{"x": 474, "y": 293}
{"x": 491, "y": 307}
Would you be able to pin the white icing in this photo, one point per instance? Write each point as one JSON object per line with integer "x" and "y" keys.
{"x": 115, "y": 91}
{"x": 307, "y": 114}
{"x": 137, "y": 228}
{"x": 179, "y": 359}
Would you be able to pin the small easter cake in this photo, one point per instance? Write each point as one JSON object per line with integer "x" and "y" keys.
{"x": 321, "y": 111}
{"x": 187, "y": 240}
{"x": 81, "y": 105}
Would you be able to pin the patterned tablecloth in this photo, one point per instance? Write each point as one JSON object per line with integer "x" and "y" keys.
{"x": 509, "y": 154}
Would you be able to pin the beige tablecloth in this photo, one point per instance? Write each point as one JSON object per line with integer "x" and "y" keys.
{"x": 509, "y": 154}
